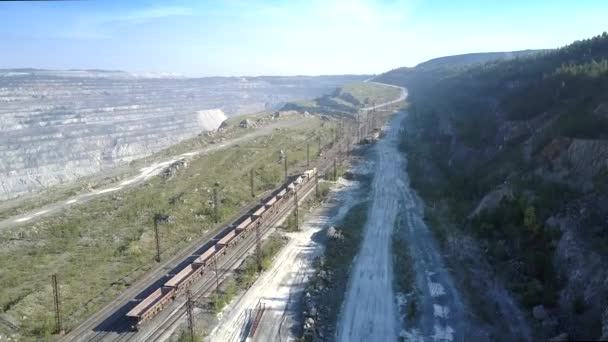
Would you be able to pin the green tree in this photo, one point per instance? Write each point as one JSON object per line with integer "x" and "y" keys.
{"x": 530, "y": 220}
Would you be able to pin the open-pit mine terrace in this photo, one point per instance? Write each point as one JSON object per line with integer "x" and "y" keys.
{"x": 56, "y": 126}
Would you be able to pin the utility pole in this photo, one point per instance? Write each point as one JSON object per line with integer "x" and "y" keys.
{"x": 295, "y": 211}
{"x": 307, "y": 155}
{"x": 157, "y": 237}
{"x": 285, "y": 165}
{"x": 347, "y": 145}
{"x": 335, "y": 171}
{"x": 374, "y": 117}
{"x": 358, "y": 127}
{"x": 216, "y": 209}
{"x": 189, "y": 306}
{"x": 335, "y": 134}
{"x": 217, "y": 277}
{"x": 319, "y": 146}
{"x": 251, "y": 182}
{"x": 258, "y": 247}
{"x": 317, "y": 184}
{"x": 58, "y": 327}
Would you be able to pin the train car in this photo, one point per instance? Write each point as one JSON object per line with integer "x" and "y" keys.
{"x": 228, "y": 238}
{"x": 259, "y": 211}
{"x": 270, "y": 202}
{"x": 208, "y": 255}
{"x": 243, "y": 225}
{"x": 310, "y": 173}
{"x": 282, "y": 193}
{"x": 151, "y": 306}
{"x": 186, "y": 277}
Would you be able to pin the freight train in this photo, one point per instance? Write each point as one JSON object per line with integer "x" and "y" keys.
{"x": 150, "y": 306}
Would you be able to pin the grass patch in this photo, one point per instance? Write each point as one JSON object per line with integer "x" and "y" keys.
{"x": 403, "y": 269}
{"x": 348, "y": 99}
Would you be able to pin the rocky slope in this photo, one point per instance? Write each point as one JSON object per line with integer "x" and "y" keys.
{"x": 56, "y": 126}
{"x": 513, "y": 155}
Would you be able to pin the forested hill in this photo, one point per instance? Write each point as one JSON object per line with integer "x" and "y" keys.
{"x": 515, "y": 154}
{"x": 474, "y": 58}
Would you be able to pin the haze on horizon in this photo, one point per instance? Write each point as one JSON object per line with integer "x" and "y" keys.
{"x": 239, "y": 37}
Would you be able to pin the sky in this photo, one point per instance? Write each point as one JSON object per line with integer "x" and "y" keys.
{"x": 296, "y": 37}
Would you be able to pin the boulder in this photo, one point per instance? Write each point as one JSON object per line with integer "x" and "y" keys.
{"x": 223, "y": 125}
{"x": 246, "y": 124}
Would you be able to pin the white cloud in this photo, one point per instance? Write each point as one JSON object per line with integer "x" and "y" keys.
{"x": 144, "y": 15}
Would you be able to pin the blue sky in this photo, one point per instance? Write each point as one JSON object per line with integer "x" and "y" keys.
{"x": 255, "y": 37}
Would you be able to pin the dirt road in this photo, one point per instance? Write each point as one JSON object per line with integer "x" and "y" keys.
{"x": 370, "y": 312}
{"x": 143, "y": 175}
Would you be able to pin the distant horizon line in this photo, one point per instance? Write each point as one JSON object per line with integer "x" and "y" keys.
{"x": 166, "y": 74}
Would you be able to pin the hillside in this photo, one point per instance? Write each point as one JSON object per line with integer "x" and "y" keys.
{"x": 347, "y": 100}
{"x": 514, "y": 155}
{"x": 57, "y": 126}
{"x": 475, "y": 58}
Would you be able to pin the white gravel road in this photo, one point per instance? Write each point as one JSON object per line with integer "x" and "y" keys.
{"x": 369, "y": 312}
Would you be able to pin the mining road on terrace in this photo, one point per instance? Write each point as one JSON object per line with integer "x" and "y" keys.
{"x": 369, "y": 311}
{"x": 144, "y": 174}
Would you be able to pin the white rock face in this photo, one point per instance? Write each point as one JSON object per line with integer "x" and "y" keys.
{"x": 211, "y": 119}
{"x": 58, "y": 126}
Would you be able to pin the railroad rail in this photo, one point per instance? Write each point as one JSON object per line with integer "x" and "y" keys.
{"x": 258, "y": 312}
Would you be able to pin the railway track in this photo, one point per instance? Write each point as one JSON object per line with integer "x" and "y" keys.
{"x": 228, "y": 267}
{"x": 119, "y": 328}
{"x": 155, "y": 329}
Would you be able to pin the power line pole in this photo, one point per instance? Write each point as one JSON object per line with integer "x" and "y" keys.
{"x": 319, "y": 146}
{"x": 307, "y": 155}
{"x": 317, "y": 184}
{"x": 335, "y": 171}
{"x": 359, "y": 127}
{"x": 258, "y": 247}
{"x": 335, "y": 134}
{"x": 295, "y": 211}
{"x": 285, "y": 165}
{"x": 217, "y": 277}
{"x": 58, "y": 327}
{"x": 216, "y": 211}
{"x": 189, "y": 306}
{"x": 251, "y": 182}
{"x": 157, "y": 237}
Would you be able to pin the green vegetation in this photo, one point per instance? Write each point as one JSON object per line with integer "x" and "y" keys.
{"x": 474, "y": 129}
{"x": 404, "y": 271}
{"x": 348, "y": 99}
{"x": 101, "y": 247}
{"x": 367, "y": 94}
{"x": 185, "y": 337}
{"x": 513, "y": 231}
